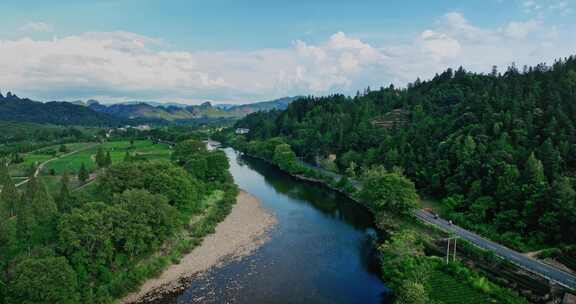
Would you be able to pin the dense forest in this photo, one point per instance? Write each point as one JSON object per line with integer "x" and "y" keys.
{"x": 24, "y": 137}
{"x": 499, "y": 150}
{"x": 96, "y": 244}
{"x": 16, "y": 109}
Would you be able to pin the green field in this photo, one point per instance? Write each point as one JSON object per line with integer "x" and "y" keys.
{"x": 142, "y": 148}
{"x": 448, "y": 290}
{"x": 21, "y": 169}
{"x": 41, "y": 155}
{"x": 71, "y": 161}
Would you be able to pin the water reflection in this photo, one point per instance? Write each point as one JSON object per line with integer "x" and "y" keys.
{"x": 320, "y": 252}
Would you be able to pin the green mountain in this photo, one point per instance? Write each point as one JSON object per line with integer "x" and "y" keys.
{"x": 93, "y": 113}
{"x": 245, "y": 109}
{"x": 499, "y": 150}
{"x": 16, "y": 109}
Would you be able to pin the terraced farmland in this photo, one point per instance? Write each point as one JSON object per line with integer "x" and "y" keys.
{"x": 448, "y": 290}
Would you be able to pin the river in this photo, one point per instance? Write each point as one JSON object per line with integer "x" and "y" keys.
{"x": 320, "y": 252}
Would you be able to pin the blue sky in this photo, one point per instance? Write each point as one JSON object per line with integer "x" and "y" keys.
{"x": 242, "y": 51}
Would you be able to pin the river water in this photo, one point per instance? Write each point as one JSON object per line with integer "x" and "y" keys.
{"x": 320, "y": 251}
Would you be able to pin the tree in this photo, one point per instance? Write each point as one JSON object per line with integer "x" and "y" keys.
{"x": 461, "y": 134}
{"x": 83, "y": 174}
{"x": 107, "y": 159}
{"x": 412, "y": 293}
{"x": 85, "y": 235}
{"x": 389, "y": 191}
{"x": 217, "y": 169}
{"x": 64, "y": 198}
{"x": 286, "y": 159}
{"x": 43, "y": 205}
{"x": 551, "y": 159}
{"x": 158, "y": 177}
{"x": 147, "y": 222}
{"x": 402, "y": 259}
{"x": 563, "y": 211}
{"x": 535, "y": 188}
{"x": 36, "y": 214}
{"x": 352, "y": 170}
{"x": 44, "y": 280}
{"x": 6, "y": 239}
{"x": 100, "y": 158}
{"x": 197, "y": 166}
{"x": 63, "y": 148}
{"x": 26, "y": 225}
{"x": 32, "y": 171}
{"x": 4, "y": 174}
{"x": 185, "y": 149}
{"x": 507, "y": 184}
{"x": 127, "y": 156}
{"x": 9, "y": 198}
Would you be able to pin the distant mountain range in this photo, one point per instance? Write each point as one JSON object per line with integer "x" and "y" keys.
{"x": 174, "y": 112}
{"x": 16, "y": 109}
{"x": 92, "y": 112}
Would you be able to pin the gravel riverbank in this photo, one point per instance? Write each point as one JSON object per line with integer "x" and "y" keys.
{"x": 243, "y": 231}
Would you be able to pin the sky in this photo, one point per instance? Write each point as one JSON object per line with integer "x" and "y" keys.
{"x": 232, "y": 51}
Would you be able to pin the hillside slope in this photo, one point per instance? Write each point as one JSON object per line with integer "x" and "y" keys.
{"x": 499, "y": 149}
{"x": 16, "y": 109}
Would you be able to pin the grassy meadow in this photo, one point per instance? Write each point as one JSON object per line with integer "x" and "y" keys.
{"x": 82, "y": 153}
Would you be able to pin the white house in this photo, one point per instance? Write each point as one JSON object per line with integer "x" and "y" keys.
{"x": 242, "y": 131}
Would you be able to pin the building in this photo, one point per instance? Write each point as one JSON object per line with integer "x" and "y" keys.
{"x": 143, "y": 128}
{"x": 242, "y": 131}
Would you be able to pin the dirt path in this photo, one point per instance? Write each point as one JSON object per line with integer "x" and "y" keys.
{"x": 242, "y": 232}
{"x": 41, "y": 166}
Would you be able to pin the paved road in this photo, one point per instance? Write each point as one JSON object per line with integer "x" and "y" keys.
{"x": 530, "y": 264}
{"x": 549, "y": 272}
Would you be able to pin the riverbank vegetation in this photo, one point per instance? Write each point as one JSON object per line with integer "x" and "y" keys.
{"x": 98, "y": 243}
{"x": 415, "y": 275}
{"x": 497, "y": 150}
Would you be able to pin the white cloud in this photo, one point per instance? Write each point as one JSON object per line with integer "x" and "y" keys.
{"x": 531, "y": 6}
{"x": 36, "y": 27}
{"x": 562, "y": 7}
{"x": 455, "y": 24}
{"x": 519, "y": 30}
{"x": 440, "y": 45}
{"x": 123, "y": 65}
{"x": 548, "y": 8}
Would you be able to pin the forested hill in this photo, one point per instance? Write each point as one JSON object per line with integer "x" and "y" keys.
{"x": 500, "y": 149}
{"x": 277, "y": 104}
{"x": 16, "y": 109}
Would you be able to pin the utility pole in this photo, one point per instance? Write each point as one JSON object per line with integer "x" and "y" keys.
{"x": 447, "y": 251}
{"x": 453, "y": 252}
{"x": 455, "y": 240}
